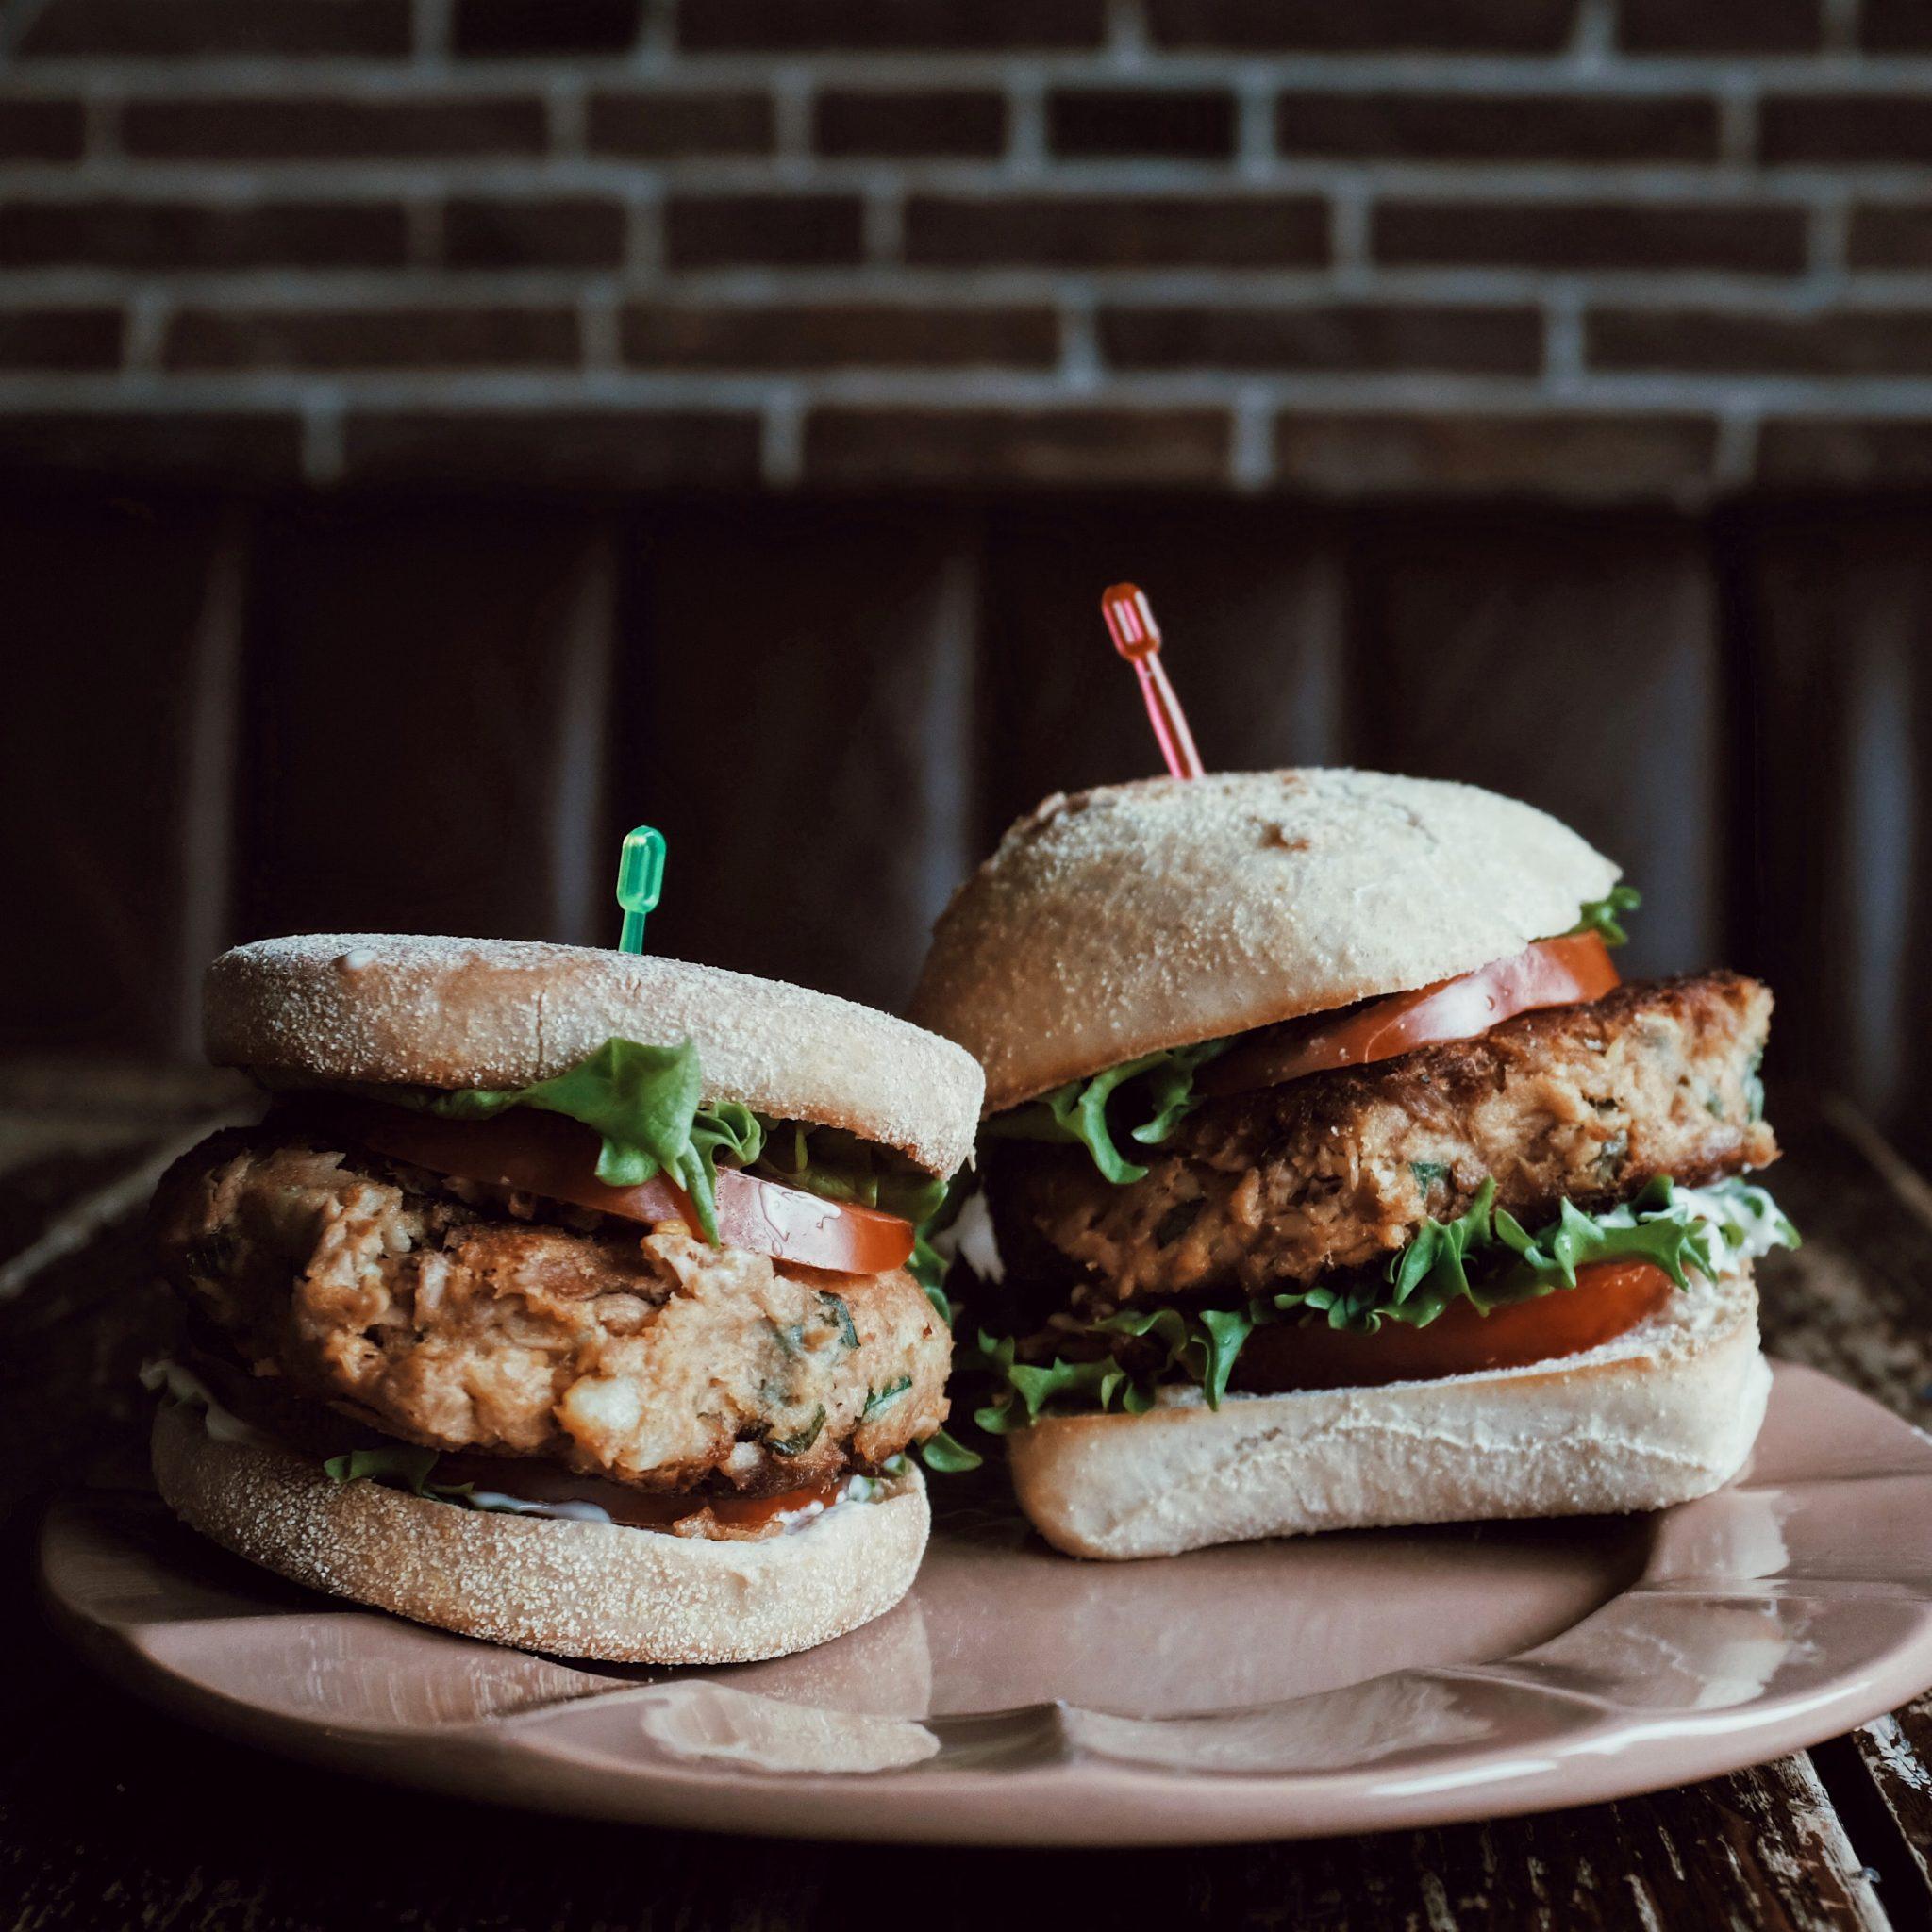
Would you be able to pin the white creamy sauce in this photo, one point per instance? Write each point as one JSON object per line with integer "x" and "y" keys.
{"x": 797, "y": 1518}
{"x": 1739, "y": 1222}
{"x": 1745, "y": 1220}
{"x": 972, "y": 1240}
{"x": 522, "y": 1505}
{"x": 576, "y": 1511}
{"x": 185, "y": 1385}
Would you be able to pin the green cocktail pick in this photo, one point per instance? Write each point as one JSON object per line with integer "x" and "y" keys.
{"x": 640, "y": 883}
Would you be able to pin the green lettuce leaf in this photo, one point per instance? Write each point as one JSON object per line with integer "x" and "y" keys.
{"x": 1484, "y": 1256}
{"x": 644, "y": 1103}
{"x": 1605, "y": 915}
{"x": 944, "y": 1457}
{"x": 1144, "y": 1099}
{"x": 400, "y": 1463}
{"x": 839, "y": 1166}
{"x": 928, "y": 1266}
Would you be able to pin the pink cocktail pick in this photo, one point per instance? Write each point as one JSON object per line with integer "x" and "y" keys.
{"x": 1137, "y": 638}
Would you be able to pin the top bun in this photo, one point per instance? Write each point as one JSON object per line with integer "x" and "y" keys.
{"x": 395, "y": 1009}
{"x": 1133, "y": 918}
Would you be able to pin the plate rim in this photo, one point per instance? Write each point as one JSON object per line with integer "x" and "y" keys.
{"x": 1141, "y": 1803}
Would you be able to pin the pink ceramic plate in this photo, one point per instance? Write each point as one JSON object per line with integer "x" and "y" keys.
{"x": 1344, "y": 1683}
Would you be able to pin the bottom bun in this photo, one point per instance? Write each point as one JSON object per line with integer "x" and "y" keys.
{"x": 588, "y": 1590}
{"x": 1665, "y": 1412}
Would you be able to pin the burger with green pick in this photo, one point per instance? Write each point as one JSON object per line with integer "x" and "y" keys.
{"x": 561, "y": 1296}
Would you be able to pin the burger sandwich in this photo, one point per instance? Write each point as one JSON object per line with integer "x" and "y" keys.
{"x": 561, "y": 1296}
{"x": 1334, "y": 1178}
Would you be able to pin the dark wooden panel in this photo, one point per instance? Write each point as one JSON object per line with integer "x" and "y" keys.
{"x": 794, "y": 708}
{"x": 836, "y": 716}
{"x": 1836, "y": 644}
{"x": 1570, "y": 662}
{"x": 425, "y": 722}
{"x": 119, "y": 638}
{"x": 1250, "y": 602}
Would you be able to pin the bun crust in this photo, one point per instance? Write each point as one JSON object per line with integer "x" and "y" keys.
{"x": 1664, "y": 1413}
{"x": 401, "y": 1009}
{"x": 1137, "y": 917}
{"x": 586, "y": 1590}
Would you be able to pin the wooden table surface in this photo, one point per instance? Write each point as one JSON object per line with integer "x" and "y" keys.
{"x": 112, "y": 1815}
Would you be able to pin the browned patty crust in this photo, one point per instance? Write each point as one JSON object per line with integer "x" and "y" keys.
{"x": 461, "y": 1317}
{"x": 1586, "y": 1103}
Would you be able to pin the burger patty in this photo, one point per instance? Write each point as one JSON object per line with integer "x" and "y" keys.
{"x": 1586, "y": 1103}
{"x": 461, "y": 1317}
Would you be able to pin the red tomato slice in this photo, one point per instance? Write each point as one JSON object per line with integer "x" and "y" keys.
{"x": 1609, "y": 1298}
{"x": 1551, "y": 972}
{"x": 545, "y": 1154}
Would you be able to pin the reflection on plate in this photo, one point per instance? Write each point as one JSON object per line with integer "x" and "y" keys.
{"x": 1341, "y": 1683}
{"x": 722, "y": 1725}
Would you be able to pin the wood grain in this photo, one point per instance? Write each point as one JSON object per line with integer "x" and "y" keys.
{"x": 165, "y": 1828}
{"x": 115, "y": 663}
{"x": 1577, "y": 669}
{"x": 1760, "y": 1849}
{"x": 1896, "y": 1755}
{"x": 1833, "y": 690}
{"x": 425, "y": 724}
{"x": 1852, "y": 1300}
{"x": 114, "y": 1816}
{"x": 79, "y": 1309}
{"x": 793, "y": 716}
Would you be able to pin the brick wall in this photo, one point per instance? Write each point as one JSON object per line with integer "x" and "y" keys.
{"x": 1649, "y": 248}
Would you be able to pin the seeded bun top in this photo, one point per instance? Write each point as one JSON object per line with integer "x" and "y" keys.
{"x": 1133, "y": 918}
{"x": 402, "y": 1009}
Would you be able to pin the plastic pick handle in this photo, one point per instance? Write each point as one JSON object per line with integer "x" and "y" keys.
{"x": 640, "y": 883}
{"x": 1137, "y": 638}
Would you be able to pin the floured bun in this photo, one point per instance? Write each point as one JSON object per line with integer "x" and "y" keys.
{"x": 588, "y": 1589}
{"x": 1133, "y": 918}
{"x": 1661, "y": 1414}
{"x": 397, "y": 1009}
